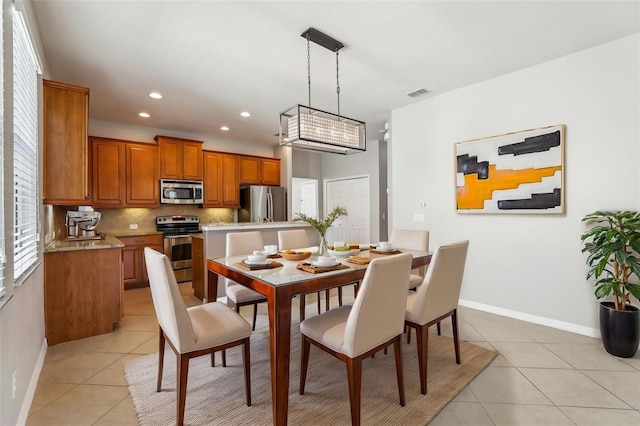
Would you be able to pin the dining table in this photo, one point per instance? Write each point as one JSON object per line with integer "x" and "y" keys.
{"x": 279, "y": 285}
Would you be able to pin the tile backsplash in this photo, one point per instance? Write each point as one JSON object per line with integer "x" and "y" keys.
{"x": 119, "y": 220}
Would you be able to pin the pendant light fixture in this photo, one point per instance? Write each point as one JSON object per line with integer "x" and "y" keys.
{"x": 308, "y": 128}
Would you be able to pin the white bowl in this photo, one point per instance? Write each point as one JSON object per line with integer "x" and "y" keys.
{"x": 257, "y": 257}
{"x": 384, "y": 245}
{"x": 325, "y": 261}
{"x": 347, "y": 253}
{"x": 270, "y": 249}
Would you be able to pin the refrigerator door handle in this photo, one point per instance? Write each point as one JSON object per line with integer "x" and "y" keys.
{"x": 269, "y": 206}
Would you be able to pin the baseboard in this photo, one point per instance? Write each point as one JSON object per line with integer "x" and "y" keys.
{"x": 561, "y": 325}
{"x": 33, "y": 384}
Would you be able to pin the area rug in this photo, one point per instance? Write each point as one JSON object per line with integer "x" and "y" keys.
{"x": 216, "y": 396}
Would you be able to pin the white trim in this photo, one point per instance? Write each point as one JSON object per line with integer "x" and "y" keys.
{"x": 33, "y": 384}
{"x": 561, "y": 325}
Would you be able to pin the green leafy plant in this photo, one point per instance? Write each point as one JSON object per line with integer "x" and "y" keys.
{"x": 613, "y": 244}
{"x": 322, "y": 225}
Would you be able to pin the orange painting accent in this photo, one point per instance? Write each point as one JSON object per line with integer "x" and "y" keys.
{"x": 475, "y": 191}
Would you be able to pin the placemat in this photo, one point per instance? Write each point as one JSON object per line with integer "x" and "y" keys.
{"x": 395, "y": 251}
{"x": 359, "y": 260}
{"x": 269, "y": 265}
{"x": 274, "y": 256}
{"x": 308, "y": 267}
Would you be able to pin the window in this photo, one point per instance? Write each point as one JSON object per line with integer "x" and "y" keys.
{"x": 3, "y": 258}
{"x": 25, "y": 149}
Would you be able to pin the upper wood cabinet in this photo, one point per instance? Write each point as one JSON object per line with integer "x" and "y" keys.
{"x": 124, "y": 173}
{"x": 179, "y": 158}
{"x": 259, "y": 170}
{"x": 66, "y": 117}
{"x": 221, "y": 184}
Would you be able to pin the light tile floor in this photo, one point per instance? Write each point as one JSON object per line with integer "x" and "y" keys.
{"x": 542, "y": 376}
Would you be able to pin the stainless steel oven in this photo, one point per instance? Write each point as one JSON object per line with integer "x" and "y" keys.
{"x": 177, "y": 231}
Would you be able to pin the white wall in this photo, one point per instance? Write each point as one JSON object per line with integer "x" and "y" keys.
{"x": 109, "y": 129}
{"x": 527, "y": 266}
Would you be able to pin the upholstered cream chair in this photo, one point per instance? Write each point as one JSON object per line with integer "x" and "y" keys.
{"x": 374, "y": 322}
{"x": 437, "y": 299}
{"x": 238, "y": 295}
{"x": 194, "y": 331}
{"x": 297, "y": 239}
{"x": 415, "y": 240}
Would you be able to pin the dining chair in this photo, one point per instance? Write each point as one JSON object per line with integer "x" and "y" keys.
{"x": 192, "y": 332}
{"x": 296, "y": 239}
{"x": 353, "y": 333}
{"x": 238, "y": 295}
{"x": 436, "y": 299}
{"x": 413, "y": 239}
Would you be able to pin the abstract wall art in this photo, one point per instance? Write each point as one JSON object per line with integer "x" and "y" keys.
{"x": 520, "y": 172}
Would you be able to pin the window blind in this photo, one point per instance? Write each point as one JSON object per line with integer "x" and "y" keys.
{"x": 25, "y": 149}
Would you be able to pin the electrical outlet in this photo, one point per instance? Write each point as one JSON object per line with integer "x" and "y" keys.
{"x": 133, "y": 226}
{"x": 15, "y": 383}
{"x": 418, "y": 217}
{"x": 47, "y": 238}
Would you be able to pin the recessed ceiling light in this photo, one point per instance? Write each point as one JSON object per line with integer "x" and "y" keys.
{"x": 224, "y": 128}
{"x": 155, "y": 95}
{"x": 245, "y": 114}
{"x": 144, "y": 114}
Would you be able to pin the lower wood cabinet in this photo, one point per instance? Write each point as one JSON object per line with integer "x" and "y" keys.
{"x": 83, "y": 293}
{"x": 135, "y": 269}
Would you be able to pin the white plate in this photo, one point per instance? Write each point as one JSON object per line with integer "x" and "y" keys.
{"x": 343, "y": 253}
{"x": 257, "y": 262}
{"x": 387, "y": 249}
{"x": 324, "y": 265}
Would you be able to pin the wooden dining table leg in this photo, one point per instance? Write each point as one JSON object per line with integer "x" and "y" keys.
{"x": 279, "y": 306}
{"x": 211, "y": 294}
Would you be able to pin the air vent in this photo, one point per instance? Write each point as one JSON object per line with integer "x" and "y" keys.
{"x": 418, "y": 92}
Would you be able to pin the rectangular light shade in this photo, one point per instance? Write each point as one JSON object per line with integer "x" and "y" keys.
{"x": 308, "y": 128}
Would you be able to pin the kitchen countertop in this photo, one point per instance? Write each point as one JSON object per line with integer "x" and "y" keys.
{"x": 252, "y": 225}
{"x": 64, "y": 245}
{"x": 135, "y": 233}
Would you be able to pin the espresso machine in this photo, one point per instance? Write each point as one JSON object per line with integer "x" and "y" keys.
{"x": 81, "y": 225}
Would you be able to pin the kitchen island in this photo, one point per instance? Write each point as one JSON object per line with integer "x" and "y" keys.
{"x": 83, "y": 292}
{"x": 214, "y": 246}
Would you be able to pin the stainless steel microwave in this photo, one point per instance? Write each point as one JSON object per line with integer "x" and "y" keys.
{"x": 181, "y": 191}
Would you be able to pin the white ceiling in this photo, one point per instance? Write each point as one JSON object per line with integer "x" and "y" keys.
{"x": 213, "y": 59}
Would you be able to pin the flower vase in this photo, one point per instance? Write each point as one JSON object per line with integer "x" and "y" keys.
{"x": 323, "y": 246}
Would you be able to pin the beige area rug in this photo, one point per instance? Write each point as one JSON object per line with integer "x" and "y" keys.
{"x": 215, "y": 396}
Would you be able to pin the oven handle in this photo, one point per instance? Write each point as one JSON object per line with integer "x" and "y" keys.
{"x": 177, "y": 236}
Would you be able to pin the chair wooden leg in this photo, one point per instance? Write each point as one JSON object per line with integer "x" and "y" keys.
{"x": 354, "y": 376}
{"x": 327, "y": 298}
{"x": 438, "y": 327}
{"x": 456, "y": 337}
{"x": 224, "y": 357}
{"x": 304, "y": 363}
{"x": 255, "y": 315}
{"x": 396, "y": 345}
{"x": 409, "y": 335}
{"x": 318, "y": 295}
{"x": 422, "y": 333}
{"x": 302, "y": 307}
{"x": 181, "y": 380}
{"x": 213, "y": 359}
{"x": 246, "y": 362}
{"x": 339, "y": 296}
{"x": 160, "y": 359}
{"x": 355, "y": 289}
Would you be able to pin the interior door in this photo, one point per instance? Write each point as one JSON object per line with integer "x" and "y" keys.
{"x": 353, "y": 194}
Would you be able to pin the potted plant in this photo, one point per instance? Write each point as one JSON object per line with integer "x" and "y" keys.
{"x": 613, "y": 244}
{"x": 322, "y": 226}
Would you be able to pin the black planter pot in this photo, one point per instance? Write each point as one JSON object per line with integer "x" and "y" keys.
{"x": 620, "y": 330}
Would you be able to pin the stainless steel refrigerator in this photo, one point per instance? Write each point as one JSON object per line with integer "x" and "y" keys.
{"x": 262, "y": 204}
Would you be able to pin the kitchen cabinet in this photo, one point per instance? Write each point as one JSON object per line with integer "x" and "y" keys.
{"x": 180, "y": 158}
{"x": 65, "y": 152}
{"x": 197, "y": 280}
{"x": 259, "y": 170}
{"x": 83, "y": 293}
{"x": 124, "y": 173}
{"x": 221, "y": 180}
{"x": 134, "y": 266}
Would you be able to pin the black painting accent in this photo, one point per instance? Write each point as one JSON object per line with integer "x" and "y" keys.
{"x": 536, "y": 202}
{"x": 469, "y": 165}
{"x": 533, "y": 144}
